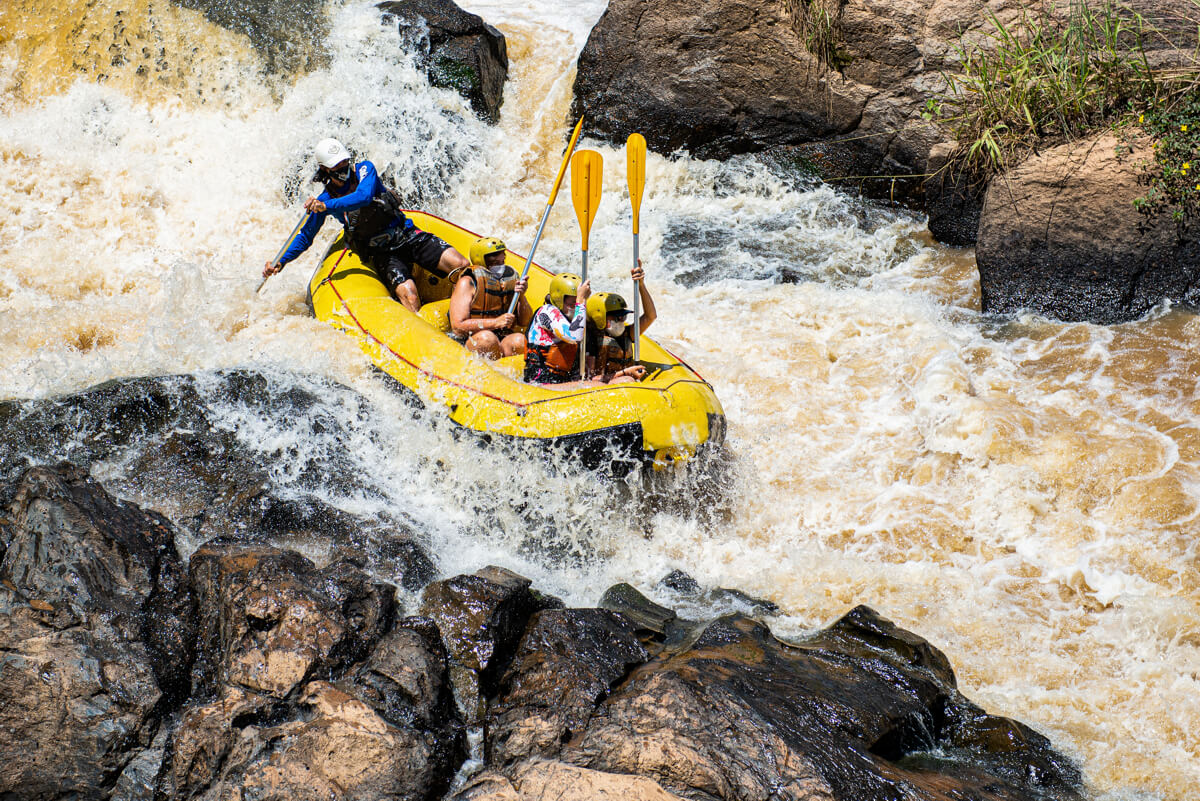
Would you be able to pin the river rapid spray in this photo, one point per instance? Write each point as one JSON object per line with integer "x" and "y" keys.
{"x": 1022, "y": 493}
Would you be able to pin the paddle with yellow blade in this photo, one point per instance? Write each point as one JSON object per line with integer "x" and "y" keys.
{"x": 283, "y": 250}
{"x": 587, "y": 180}
{"x": 635, "y": 163}
{"x": 562, "y": 170}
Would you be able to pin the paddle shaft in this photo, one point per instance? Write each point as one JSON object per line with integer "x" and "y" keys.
{"x": 562, "y": 170}
{"x": 635, "y": 163}
{"x": 283, "y": 249}
{"x": 637, "y": 306}
{"x": 583, "y": 344}
{"x": 512, "y": 306}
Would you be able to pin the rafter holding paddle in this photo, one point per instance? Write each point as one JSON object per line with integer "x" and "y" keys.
{"x": 283, "y": 250}
{"x": 635, "y": 162}
{"x": 562, "y": 170}
{"x": 587, "y": 182}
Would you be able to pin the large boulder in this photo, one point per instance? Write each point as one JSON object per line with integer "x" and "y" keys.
{"x": 95, "y": 635}
{"x": 481, "y": 618}
{"x": 567, "y": 662}
{"x": 860, "y": 710}
{"x": 269, "y": 620}
{"x": 1059, "y": 236}
{"x": 733, "y": 76}
{"x": 459, "y": 50}
{"x": 309, "y": 687}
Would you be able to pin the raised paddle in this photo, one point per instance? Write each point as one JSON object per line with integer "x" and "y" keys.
{"x": 587, "y": 180}
{"x": 562, "y": 170}
{"x": 283, "y": 249}
{"x": 635, "y": 162}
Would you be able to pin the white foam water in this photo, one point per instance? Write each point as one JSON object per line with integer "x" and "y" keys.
{"x": 1023, "y": 493}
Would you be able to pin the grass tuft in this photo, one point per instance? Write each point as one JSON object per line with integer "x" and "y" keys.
{"x": 1048, "y": 78}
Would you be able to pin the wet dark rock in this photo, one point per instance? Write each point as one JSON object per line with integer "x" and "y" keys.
{"x": 269, "y": 620}
{"x": 319, "y": 694}
{"x": 481, "y": 617}
{"x": 140, "y": 777}
{"x": 567, "y": 662}
{"x": 95, "y": 635}
{"x": 645, "y": 614}
{"x": 836, "y": 717}
{"x": 680, "y": 582}
{"x": 288, "y": 33}
{"x": 461, "y": 51}
{"x": 953, "y": 199}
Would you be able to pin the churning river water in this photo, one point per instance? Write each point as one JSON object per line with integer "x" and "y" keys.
{"x": 1023, "y": 493}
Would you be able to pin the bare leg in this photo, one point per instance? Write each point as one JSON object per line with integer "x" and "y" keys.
{"x": 452, "y": 260}
{"x": 485, "y": 343}
{"x": 513, "y": 344}
{"x": 570, "y": 385}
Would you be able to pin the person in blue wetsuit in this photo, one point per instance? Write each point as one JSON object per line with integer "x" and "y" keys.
{"x": 376, "y": 228}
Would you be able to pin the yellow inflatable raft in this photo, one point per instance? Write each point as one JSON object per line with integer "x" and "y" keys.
{"x": 665, "y": 418}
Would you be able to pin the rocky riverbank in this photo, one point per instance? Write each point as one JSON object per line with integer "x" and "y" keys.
{"x": 844, "y": 89}
{"x": 248, "y": 671}
{"x": 193, "y": 651}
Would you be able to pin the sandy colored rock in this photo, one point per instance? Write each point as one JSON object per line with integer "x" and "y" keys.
{"x": 1059, "y": 236}
{"x": 545, "y": 780}
{"x": 269, "y": 618}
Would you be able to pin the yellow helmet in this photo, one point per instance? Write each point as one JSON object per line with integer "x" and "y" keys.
{"x": 485, "y": 246}
{"x": 562, "y": 285}
{"x": 603, "y": 305}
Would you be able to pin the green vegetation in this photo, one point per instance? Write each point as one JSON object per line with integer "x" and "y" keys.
{"x": 1174, "y": 180}
{"x": 1051, "y": 77}
{"x": 822, "y": 38}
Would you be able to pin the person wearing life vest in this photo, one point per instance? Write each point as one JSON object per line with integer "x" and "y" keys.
{"x": 376, "y": 228}
{"x": 556, "y": 332}
{"x": 610, "y": 337}
{"x": 479, "y": 305}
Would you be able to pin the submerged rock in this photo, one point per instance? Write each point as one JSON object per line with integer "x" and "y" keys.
{"x": 95, "y": 635}
{"x": 177, "y": 448}
{"x": 461, "y": 51}
{"x": 1059, "y": 236}
{"x": 637, "y": 608}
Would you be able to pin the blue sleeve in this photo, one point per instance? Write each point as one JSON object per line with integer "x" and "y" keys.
{"x": 304, "y": 237}
{"x": 368, "y": 183}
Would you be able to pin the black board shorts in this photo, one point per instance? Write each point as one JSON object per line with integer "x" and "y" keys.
{"x": 394, "y": 263}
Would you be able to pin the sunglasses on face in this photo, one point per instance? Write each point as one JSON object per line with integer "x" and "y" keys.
{"x": 339, "y": 173}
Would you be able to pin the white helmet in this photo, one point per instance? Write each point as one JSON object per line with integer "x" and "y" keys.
{"x": 330, "y": 153}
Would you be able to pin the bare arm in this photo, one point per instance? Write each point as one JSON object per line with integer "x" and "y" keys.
{"x": 649, "y": 313}
{"x": 461, "y": 320}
